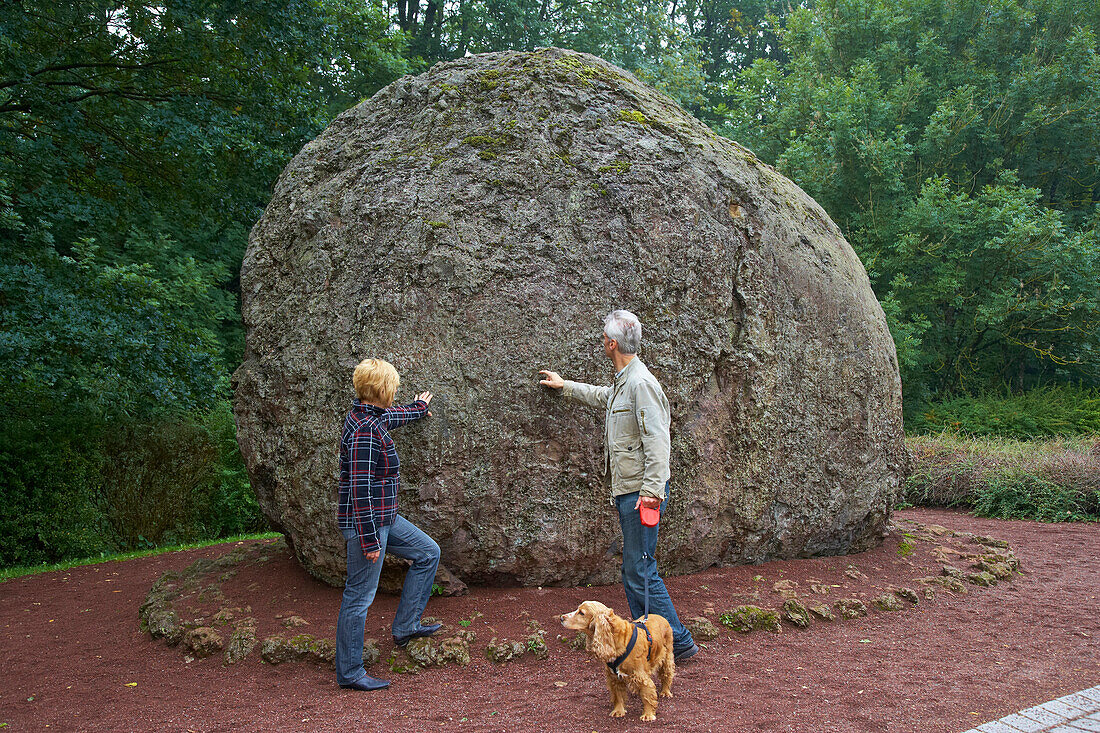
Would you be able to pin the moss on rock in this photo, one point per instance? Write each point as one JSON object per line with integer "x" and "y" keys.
{"x": 886, "y": 602}
{"x": 750, "y": 618}
{"x": 796, "y": 613}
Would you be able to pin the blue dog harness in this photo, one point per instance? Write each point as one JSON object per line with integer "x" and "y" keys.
{"x": 614, "y": 666}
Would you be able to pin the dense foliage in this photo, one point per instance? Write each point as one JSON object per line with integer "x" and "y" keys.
{"x": 138, "y": 144}
{"x": 956, "y": 143}
{"x": 1042, "y": 412}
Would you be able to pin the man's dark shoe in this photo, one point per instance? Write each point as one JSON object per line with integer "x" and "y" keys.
{"x": 367, "y": 683}
{"x": 685, "y": 654}
{"x": 421, "y": 631}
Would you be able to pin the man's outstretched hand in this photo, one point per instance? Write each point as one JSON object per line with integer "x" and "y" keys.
{"x": 427, "y": 397}
{"x": 553, "y": 379}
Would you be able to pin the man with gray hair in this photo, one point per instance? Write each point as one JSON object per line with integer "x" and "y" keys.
{"x": 636, "y": 462}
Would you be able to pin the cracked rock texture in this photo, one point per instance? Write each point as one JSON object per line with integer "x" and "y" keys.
{"x": 474, "y": 224}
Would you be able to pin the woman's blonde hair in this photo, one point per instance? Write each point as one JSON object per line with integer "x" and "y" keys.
{"x": 376, "y": 382}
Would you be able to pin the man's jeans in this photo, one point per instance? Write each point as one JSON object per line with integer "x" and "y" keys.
{"x": 402, "y": 538}
{"x": 639, "y": 539}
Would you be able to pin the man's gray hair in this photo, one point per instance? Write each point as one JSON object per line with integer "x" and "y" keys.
{"x": 624, "y": 328}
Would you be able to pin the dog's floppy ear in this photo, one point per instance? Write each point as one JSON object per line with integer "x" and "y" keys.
{"x": 603, "y": 643}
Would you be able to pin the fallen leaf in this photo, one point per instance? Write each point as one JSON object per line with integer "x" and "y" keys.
{"x": 131, "y": 684}
{"x": 559, "y": 683}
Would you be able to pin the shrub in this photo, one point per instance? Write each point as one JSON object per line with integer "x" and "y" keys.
{"x": 1054, "y": 480}
{"x": 47, "y": 512}
{"x": 1043, "y": 412}
{"x": 179, "y": 479}
{"x": 1015, "y": 494}
{"x": 155, "y": 476}
{"x": 72, "y": 488}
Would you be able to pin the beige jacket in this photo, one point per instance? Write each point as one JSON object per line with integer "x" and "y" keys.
{"x": 636, "y": 422}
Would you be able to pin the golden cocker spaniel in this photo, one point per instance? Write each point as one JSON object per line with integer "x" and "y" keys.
{"x": 609, "y": 637}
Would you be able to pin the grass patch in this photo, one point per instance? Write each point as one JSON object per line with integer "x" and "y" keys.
{"x": 17, "y": 572}
{"x": 1054, "y": 480}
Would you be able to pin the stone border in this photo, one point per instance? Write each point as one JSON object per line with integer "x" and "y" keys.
{"x": 205, "y": 637}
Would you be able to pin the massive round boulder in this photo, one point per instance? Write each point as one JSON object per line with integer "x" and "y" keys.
{"x": 474, "y": 224}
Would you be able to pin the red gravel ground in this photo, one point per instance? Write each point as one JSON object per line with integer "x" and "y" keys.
{"x": 73, "y": 656}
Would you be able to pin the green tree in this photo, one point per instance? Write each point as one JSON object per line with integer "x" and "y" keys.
{"x": 138, "y": 144}
{"x": 956, "y": 144}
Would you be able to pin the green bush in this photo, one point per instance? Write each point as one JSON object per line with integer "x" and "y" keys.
{"x": 1043, "y": 412}
{"x": 47, "y": 508}
{"x": 177, "y": 480}
{"x": 1019, "y": 495}
{"x": 73, "y": 490}
{"x": 1046, "y": 480}
{"x": 231, "y": 508}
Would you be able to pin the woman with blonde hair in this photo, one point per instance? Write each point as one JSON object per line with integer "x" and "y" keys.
{"x": 368, "y": 519}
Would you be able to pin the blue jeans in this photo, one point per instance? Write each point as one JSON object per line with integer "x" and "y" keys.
{"x": 404, "y": 539}
{"x": 639, "y": 539}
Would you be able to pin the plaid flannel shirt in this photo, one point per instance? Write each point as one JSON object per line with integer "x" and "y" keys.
{"x": 369, "y": 465}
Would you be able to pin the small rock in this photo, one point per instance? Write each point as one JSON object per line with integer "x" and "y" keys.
{"x": 822, "y": 611}
{"x": 371, "y": 652}
{"x": 701, "y": 628}
{"x": 950, "y": 583}
{"x": 504, "y": 651}
{"x": 887, "y": 602}
{"x": 241, "y": 643}
{"x": 952, "y": 572}
{"x": 988, "y": 541}
{"x": 796, "y": 613}
{"x": 303, "y": 647}
{"x": 455, "y": 650}
{"x": 578, "y": 642}
{"x": 749, "y": 618}
{"x": 203, "y": 641}
{"x": 938, "y": 530}
{"x": 536, "y": 644}
{"x": 785, "y": 588}
{"x": 930, "y": 593}
{"x": 851, "y": 608}
{"x": 224, "y": 617}
{"x": 165, "y": 624}
{"x": 983, "y": 579}
{"x": 998, "y": 569}
{"x": 293, "y": 622}
{"x": 820, "y": 589}
{"x": 467, "y": 635}
{"x": 402, "y": 663}
{"x": 907, "y": 594}
{"x": 424, "y": 652}
{"x": 854, "y": 573}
